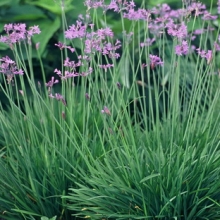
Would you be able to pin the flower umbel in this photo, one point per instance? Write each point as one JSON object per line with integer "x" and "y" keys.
{"x": 9, "y": 68}
{"x": 18, "y": 32}
{"x": 207, "y": 55}
{"x": 58, "y": 97}
{"x": 182, "y": 49}
{"x": 155, "y": 61}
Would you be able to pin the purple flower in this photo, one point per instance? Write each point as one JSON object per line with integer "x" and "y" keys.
{"x": 103, "y": 33}
{"x": 177, "y": 30}
{"x": 72, "y": 64}
{"x": 109, "y": 49}
{"x": 58, "y": 97}
{"x": 147, "y": 42}
{"x": 179, "y": 13}
{"x": 70, "y": 75}
{"x": 94, "y": 4}
{"x": 217, "y": 46}
{"x": 140, "y": 14}
{"x": 207, "y": 55}
{"x": 67, "y": 74}
{"x": 144, "y": 65}
{"x": 155, "y": 61}
{"x": 161, "y": 10}
{"x": 59, "y": 73}
{"x": 62, "y": 46}
{"x": 96, "y": 42}
{"x": 9, "y": 68}
{"x": 182, "y": 49}
{"x": 33, "y": 30}
{"x": 199, "y": 31}
{"x": 113, "y": 6}
{"x": 208, "y": 16}
{"x": 106, "y": 66}
{"x": 156, "y": 28}
{"x": 51, "y": 82}
{"x": 18, "y": 32}
{"x": 196, "y": 8}
{"x": 105, "y": 111}
{"x": 76, "y": 31}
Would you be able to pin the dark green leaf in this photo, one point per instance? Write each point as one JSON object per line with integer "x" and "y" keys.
{"x": 24, "y": 12}
{"x": 8, "y": 2}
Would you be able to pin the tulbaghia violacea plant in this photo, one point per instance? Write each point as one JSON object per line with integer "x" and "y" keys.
{"x": 128, "y": 127}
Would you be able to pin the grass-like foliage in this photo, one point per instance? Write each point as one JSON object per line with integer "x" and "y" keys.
{"x": 128, "y": 126}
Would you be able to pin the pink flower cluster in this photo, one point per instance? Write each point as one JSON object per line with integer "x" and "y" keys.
{"x": 95, "y": 41}
{"x": 76, "y": 31}
{"x": 17, "y": 32}
{"x": 72, "y": 65}
{"x": 205, "y": 54}
{"x": 182, "y": 49}
{"x": 154, "y": 61}
{"x": 9, "y": 68}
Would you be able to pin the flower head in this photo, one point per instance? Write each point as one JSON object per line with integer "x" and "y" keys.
{"x": 106, "y": 66}
{"x": 208, "y": 16}
{"x": 76, "y": 31}
{"x": 177, "y": 30}
{"x": 58, "y": 97}
{"x": 106, "y": 111}
{"x": 147, "y": 42}
{"x": 51, "y": 82}
{"x": 155, "y": 61}
{"x": 196, "y": 8}
{"x": 182, "y": 49}
{"x": 9, "y": 68}
{"x": 62, "y": 46}
{"x": 207, "y": 55}
{"x": 17, "y": 32}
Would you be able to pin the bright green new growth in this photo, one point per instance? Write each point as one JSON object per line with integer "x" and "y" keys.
{"x": 152, "y": 154}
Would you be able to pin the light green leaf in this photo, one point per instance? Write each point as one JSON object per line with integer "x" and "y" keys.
{"x": 46, "y": 218}
{"x": 124, "y": 71}
{"x": 149, "y": 177}
{"x": 3, "y": 46}
{"x": 165, "y": 79}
